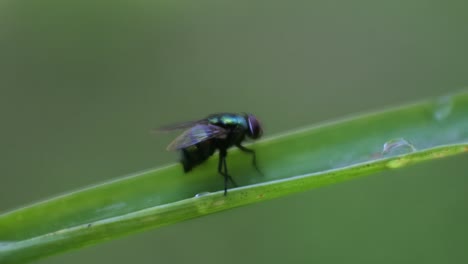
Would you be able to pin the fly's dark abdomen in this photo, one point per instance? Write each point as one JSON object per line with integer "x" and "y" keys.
{"x": 196, "y": 154}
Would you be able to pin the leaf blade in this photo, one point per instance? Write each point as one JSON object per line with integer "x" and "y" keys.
{"x": 293, "y": 162}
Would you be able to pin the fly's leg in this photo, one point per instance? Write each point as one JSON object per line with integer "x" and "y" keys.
{"x": 222, "y": 169}
{"x": 226, "y": 172}
{"x": 254, "y": 156}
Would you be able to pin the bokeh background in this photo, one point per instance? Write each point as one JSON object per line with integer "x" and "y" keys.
{"x": 82, "y": 82}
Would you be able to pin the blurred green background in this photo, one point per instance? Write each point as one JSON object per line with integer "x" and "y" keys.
{"x": 83, "y": 82}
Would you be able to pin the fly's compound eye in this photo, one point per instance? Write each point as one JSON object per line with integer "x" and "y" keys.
{"x": 255, "y": 129}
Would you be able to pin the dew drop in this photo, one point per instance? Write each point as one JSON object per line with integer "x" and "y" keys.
{"x": 397, "y": 146}
{"x": 442, "y": 107}
{"x": 198, "y": 195}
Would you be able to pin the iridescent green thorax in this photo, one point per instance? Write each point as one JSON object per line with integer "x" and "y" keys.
{"x": 228, "y": 120}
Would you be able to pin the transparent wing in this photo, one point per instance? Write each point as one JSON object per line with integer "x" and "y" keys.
{"x": 196, "y": 134}
{"x": 178, "y": 126}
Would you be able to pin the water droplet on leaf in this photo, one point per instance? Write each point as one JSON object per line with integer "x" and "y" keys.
{"x": 198, "y": 195}
{"x": 397, "y": 146}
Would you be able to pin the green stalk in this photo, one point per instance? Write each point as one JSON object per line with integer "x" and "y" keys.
{"x": 293, "y": 162}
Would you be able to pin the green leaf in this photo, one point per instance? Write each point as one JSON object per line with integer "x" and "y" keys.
{"x": 291, "y": 163}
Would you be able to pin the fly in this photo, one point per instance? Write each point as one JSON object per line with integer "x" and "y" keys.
{"x": 203, "y": 137}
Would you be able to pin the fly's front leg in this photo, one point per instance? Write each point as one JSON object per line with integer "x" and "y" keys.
{"x": 254, "y": 156}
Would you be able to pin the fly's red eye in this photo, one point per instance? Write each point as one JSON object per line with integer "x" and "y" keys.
{"x": 255, "y": 129}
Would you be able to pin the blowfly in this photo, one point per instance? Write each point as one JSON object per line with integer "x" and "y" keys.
{"x": 219, "y": 132}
